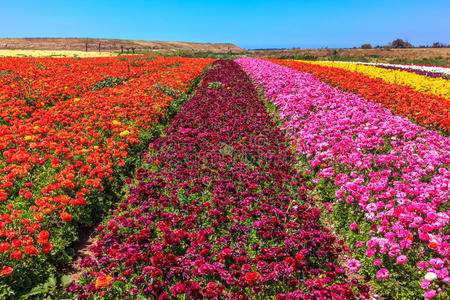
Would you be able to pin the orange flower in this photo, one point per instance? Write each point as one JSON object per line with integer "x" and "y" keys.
{"x": 103, "y": 281}
{"x": 66, "y": 216}
{"x": 38, "y": 216}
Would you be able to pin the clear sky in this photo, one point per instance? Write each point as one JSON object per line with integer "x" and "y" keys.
{"x": 248, "y": 24}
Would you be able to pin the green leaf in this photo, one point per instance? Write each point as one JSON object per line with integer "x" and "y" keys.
{"x": 51, "y": 281}
{"x": 66, "y": 280}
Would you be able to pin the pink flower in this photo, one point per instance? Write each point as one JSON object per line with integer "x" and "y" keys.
{"x": 437, "y": 262}
{"x": 402, "y": 259}
{"x": 353, "y": 265}
{"x": 425, "y": 284}
{"x": 349, "y": 199}
{"x": 353, "y": 226}
{"x": 377, "y": 262}
{"x": 359, "y": 244}
{"x": 371, "y": 252}
{"x": 429, "y": 294}
{"x": 382, "y": 274}
{"x": 422, "y": 265}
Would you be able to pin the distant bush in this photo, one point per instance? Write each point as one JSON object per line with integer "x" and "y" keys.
{"x": 366, "y": 46}
{"x": 399, "y": 43}
{"x": 438, "y": 45}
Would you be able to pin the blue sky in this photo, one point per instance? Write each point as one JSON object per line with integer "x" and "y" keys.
{"x": 249, "y": 24}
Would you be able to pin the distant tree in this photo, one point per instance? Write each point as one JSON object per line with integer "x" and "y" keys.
{"x": 399, "y": 43}
{"x": 366, "y": 46}
{"x": 438, "y": 45}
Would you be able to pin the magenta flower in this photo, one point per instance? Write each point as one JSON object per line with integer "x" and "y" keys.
{"x": 382, "y": 274}
{"x": 353, "y": 226}
{"x": 429, "y": 294}
{"x": 401, "y": 259}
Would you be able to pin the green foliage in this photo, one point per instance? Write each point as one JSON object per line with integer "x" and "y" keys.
{"x": 215, "y": 85}
{"x": 108, "y": 82}
{"x": 4, "y": 73}
{"x": 135, "y": 62}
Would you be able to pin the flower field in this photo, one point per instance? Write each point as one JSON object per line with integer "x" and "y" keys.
{"x": 431, "y": 71}
{"x": 69, "y": 130}
{"x": 384, "y": 180}
{"x": 428, "y": 85}
{"x": 223, "y": 179}
{"x": 52, "y": 53}
{"x": 427, "y": 110}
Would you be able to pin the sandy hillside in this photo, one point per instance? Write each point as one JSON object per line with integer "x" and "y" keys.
{"x": 110, "y": 45}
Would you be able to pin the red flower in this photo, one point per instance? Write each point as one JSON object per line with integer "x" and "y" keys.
{"x": 6, "y": 271}
{"x": 16, "y": 243}
{"x": 252, "y": 277}
{"x": 16, "y": 254}
{"x": 47, "y": 247}
{"x": 31, "y": 250}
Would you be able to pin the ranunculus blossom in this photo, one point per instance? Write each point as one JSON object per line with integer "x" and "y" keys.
{"x": 5, "y": 271}
{"x": 382, "y": 274}
{"x": 252, "y": 277}
{"x": 103, "y": 281}
{"x": 353, "y": 265}
{"x": 401, "y": 259}
{"x": 429, "y": 294}
{"x": 430, "y": 276}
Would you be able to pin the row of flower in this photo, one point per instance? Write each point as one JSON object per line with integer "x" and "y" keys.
{"x": 431, "y": 71}
{"x": 30, "y": 83}
{"x": 424, "y": 109}
{"x": 61, "y": 163}
{"x": 428, "y": 85}
{"x": 53, "y": 53}
{"x": 217, "y": 211}
{"x": 384, "y": 180}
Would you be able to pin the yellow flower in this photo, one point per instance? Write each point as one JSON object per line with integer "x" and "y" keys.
{"x": 421, "y": 83}
{"x": 115, "y": 122}
{"x": 76, "y": 99}
{"x": 28, "y": 137}
{"x": 124, "y": 133}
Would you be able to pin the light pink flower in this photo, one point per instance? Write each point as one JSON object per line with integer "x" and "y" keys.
{"x": 353, "y": 265}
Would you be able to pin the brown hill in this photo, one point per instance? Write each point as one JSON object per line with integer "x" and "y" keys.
{"x": 110, "y": 45}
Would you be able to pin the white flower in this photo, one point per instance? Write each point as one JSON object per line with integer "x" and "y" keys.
{"x": 430, "y": 276}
